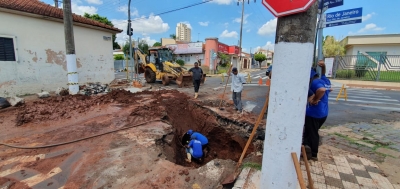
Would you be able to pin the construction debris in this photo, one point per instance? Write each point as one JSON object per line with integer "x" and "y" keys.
{"x": 43, "y": 94}
{"x": 93, "y": 88}
{"x": 16, "y": 101}
{"x": 4, "y": 103}
{"x": 62, "y": 91}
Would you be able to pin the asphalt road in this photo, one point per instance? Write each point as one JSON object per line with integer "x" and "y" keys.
{"x": 362, "y": 105}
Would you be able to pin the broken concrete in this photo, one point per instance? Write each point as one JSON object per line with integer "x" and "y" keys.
{"x": 43, "y": 94}
{"x": 16, "y": 101}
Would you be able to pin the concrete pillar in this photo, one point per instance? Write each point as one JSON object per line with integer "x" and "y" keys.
{"x": 288, "y": 97}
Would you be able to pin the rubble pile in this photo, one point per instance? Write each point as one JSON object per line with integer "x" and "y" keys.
{"x": 93, "y": 88}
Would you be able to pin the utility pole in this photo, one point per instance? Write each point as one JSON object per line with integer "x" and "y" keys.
{"x": 320, "y": 35}
{"x": 241, "y": 33}
{"x": 294, "y": 47}
{"x": 130, "y": 38}
{"x": 56, "y": 3}
{"x": 70, "y": 48}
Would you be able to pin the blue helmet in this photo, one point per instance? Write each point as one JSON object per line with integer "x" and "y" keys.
{"x": 190, "y": 132}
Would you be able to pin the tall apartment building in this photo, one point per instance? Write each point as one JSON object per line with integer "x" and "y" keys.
{"x": 183, "y": 33}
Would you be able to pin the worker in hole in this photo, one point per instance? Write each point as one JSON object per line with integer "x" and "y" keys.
{"x": 198, "y": 136}
{"x": 194, "y": 149}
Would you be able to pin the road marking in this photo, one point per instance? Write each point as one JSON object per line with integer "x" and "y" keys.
{"x": 361, "y": 94}
{"x": 378, "y": 99}
{"x": 11, "y": 171}
{"x": 22, "y": 159}
{"x": 32, "y": 181}
{"x": 363, "y": 101}
{"x": 265, "y": 77}
{"x": 256, "y": 77}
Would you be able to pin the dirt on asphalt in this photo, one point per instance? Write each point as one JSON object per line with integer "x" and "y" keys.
{"x": 145, "y": 156}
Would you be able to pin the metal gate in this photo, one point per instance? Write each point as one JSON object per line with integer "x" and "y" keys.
{"x": 368, "y": 67}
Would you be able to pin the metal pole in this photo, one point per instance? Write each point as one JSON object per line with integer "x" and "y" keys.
{"x": 321, "y": 36}
{"x": 56, "y": 3}
{"x": 70, "y": 48}
{"x": 130, "y": 39}
{"x": 240, "y": 41}
{"x": 379, "y": 67}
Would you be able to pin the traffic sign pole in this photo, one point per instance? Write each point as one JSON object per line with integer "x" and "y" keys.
{"x": 289, "y": 87}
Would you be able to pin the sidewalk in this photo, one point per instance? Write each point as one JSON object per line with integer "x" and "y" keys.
{"x": 394, "y": 86}
{"x": 335, "y": 171}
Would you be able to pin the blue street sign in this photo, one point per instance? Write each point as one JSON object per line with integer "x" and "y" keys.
{"x": 343, "y": 15}
{"x": 344, "y": 23}
{"x": 330, "y": 3}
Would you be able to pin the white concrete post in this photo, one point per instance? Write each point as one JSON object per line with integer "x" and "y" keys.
{"x": 294, "y": 47}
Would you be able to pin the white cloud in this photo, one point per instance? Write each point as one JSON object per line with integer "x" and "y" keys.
{"x": 187, "y": 24}
{"x": 248, "y": 30}
{"x": 97, "y": 2}
{"x": 268, "y": 28}
{"x": 81, "y": 10}
{"x": 226, "y": 24}
{"x": 367, "y": 17}
{"x": 143, "y": 26}
{"x": 268, "y": 46}
{"x": 238, "y": 20}
{"x": 227, "y": 34}
{"x": 223, "y": 2}
{"x": 149, "y": 41}
{"x": 124, "y": 9}
{"x": 204, "y": 23}
{"x": 370, "y": 27}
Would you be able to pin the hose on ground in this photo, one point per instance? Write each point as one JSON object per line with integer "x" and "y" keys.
{"x": 77, "y": 140}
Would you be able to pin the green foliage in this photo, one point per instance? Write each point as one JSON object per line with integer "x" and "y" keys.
{"x": 255, "y": 166}
{"x": 180, "y": 62}
{"x": 173, "y": 36}
{"x": 222, "y": 69}
{"x": 157, "y": 44}
{"x": 345, "y": 74}
{"x": 224, "y": 59}
{"x": 119, "y": 57}
{"x": 260, "y": 58}
{"x": 104, "y": 20}
{"x": 143, "y": 46}
{"x": 332, "y": 47}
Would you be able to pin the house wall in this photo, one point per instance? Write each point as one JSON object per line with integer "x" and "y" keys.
{"x": 190, "y": 59}
{"x": 390, "y": 49}
{"x": 41, "y": 55}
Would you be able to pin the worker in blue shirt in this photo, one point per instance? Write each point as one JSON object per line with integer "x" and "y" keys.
{"x": 194, "y": 149}
{"x": 317, "y": 110}
{"x": 198, "y": 136}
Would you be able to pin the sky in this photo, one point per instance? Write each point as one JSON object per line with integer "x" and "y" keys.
{"x": 221, "y": 18}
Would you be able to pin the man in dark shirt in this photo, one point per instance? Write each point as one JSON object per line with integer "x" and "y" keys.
{"x": 197, "y": 74}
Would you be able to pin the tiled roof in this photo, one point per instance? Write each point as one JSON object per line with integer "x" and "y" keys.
{"x": 40, "y": 8}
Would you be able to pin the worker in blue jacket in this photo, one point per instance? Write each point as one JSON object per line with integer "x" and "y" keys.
{"x": 203, "y": 139}
{"x": 194, "y": 149}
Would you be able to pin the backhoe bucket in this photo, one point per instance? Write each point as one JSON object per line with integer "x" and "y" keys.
{"x": 184, "y": 80}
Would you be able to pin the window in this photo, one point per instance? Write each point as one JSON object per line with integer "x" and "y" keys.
{"x": 7, "y": 50}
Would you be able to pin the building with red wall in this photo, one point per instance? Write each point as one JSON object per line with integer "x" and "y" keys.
{"x": 218, "y": 47}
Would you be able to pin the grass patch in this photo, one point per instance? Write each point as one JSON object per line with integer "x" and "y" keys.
{"x": 256, "y": 166}
{"x": 389, "y": 76}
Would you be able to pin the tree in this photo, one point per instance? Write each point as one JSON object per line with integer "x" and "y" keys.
{"x": 173, "y": 36}
{"x": 260, "y": 58}
{"x": 156, "y": 44}
{"x": 119, "y": 57}
{"x": 104, "y": 20}
{"x": 224, "y": 59}
{"x": 143, "y": 46}
{"x": 332, "y": 47}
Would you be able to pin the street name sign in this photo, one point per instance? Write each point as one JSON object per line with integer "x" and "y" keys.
{"x": 344, "y": 17}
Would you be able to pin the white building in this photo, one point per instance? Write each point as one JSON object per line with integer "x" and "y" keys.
{"x": 183, "y": 33}
{"x": 388, "y": 44}
{"x": 32, "y": 48}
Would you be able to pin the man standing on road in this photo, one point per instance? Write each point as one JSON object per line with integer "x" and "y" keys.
{"x": 317, "y": 110}
{"x": 236, "y": 88}
{"x": 197, "y": 74}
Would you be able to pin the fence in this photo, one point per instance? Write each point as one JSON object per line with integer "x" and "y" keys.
{"x": 119, "y": 64}
{"x": 368, "y": 67}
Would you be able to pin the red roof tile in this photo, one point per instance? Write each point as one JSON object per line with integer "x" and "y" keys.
{"x": 40, "y": 8}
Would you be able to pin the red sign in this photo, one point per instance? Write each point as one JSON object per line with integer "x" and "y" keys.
{"x": 286, "y": 7}
{"x": 223, "y": 48}
{"x": 233, "y": 50}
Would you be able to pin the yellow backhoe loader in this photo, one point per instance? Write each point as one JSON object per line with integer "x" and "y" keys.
{"x": 158, "y": 64}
